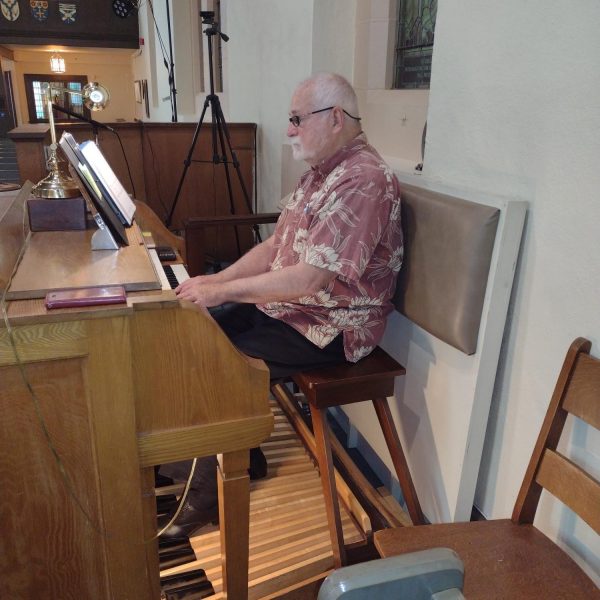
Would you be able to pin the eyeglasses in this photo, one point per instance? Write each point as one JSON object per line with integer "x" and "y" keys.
{"x": 295, "y": 120}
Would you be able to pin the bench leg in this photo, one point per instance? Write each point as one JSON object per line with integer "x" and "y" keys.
{"x": 399, "y": 460}
{"x": 323, "y": 447}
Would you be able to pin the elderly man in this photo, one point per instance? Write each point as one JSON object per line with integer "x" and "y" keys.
{"x": 318, "y": 291}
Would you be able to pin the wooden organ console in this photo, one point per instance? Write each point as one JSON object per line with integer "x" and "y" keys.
{"x": 92, "y": 398}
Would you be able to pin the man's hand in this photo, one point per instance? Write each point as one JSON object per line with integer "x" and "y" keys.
{"x": 202, "y": 290}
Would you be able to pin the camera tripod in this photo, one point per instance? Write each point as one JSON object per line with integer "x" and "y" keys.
{"x": 221, "y": 142}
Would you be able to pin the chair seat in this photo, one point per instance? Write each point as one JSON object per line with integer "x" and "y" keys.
{"x": 501, "y": 559}
{"x": 370, "y": 377}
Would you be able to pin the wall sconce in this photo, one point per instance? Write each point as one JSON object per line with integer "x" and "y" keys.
{"x": 56, "y": 185}
{"x": 57, "y": 63}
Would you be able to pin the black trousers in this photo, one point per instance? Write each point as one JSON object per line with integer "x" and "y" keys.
{"x": 285, "y": 352}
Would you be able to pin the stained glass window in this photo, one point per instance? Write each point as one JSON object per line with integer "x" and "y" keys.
{"x": 414, "y": 46}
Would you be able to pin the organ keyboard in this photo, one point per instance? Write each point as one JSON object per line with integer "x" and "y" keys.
{"x": 170, "y": 275}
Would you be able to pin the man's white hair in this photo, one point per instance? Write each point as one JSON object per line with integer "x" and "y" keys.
{"x": 331, "y": 89}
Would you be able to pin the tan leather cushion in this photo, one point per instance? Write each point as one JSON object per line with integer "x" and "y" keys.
{"x": 448, "y": 245}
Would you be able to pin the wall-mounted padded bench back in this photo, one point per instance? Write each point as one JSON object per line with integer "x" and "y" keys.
{"x": 448, "y": 244}
{"x": 448, "y": 251}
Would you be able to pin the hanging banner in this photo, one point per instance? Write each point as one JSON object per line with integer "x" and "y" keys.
{"x": 39, "y": 9}
{"x": 10, "y": 9}
{"x": 67, "y": 12}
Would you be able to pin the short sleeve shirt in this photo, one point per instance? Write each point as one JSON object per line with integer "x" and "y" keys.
{"x": 343, "y": 216}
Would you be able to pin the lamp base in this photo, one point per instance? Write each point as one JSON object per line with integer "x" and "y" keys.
{"x": 56, "y": 185}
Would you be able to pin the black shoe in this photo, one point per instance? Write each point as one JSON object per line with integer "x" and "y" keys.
{"x": 258, "y": 464}
{"x": 190, "y": 519}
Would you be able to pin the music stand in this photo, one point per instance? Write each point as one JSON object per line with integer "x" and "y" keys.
{"x": 221, "y": 142}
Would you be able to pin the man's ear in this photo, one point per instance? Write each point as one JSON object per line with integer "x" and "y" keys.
{"x": 338, "y": 118}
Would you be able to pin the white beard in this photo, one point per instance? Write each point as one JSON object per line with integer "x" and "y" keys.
{"x": 298, "y": 151}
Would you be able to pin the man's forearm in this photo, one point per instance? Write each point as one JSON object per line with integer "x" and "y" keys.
{"x": 289, "y": 283}
{"x": 255, "y": 261}
{"x": 285, "y": 284}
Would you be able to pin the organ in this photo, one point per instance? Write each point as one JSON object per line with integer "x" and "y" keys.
{"x": 92, "y": 398}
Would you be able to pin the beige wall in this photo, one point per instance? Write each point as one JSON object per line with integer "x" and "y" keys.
{"x": 111, "y": 68}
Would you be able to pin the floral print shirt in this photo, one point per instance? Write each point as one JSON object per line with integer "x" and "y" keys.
{"x": 343, "y": 216}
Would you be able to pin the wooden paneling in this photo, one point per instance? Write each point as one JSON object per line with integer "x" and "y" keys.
{"x": 204, "y": 192}
{"x": 44, "y": 533}
{"x": 12, "y": 217}
{"x": 6, "y": 53}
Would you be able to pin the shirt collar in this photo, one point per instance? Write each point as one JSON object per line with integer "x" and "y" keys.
{"x": 327, "y": 165}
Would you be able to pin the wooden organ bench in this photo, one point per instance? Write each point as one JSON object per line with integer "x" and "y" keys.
{"x": 372, "y": 378}
{"x": 442, "y": 285}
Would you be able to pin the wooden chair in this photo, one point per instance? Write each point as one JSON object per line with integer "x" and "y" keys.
{"x": 371, "y": 378}
{"x": 511, "y": 558}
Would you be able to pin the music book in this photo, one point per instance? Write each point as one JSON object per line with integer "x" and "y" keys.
{"x": 109, "y": 182}
{"x": 107, "y": 214}
{"x": 88, "y": 154}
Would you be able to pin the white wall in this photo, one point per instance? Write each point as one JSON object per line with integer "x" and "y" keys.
{"x": 513, "y": 109}
{"x": 269, "y": 52}
{"x": 187, "y": 57}
{"x": 333, "y": 52}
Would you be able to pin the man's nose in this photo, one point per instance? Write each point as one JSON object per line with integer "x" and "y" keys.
{"x": 292, "y": 130}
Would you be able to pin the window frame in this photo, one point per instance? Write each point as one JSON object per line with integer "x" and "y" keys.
{"x": 59, "y": 117}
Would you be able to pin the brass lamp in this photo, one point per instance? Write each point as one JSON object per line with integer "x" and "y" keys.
{"x": 56, "y": 184}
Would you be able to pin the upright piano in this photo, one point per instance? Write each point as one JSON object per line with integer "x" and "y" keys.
{"x": 91, "y": 399}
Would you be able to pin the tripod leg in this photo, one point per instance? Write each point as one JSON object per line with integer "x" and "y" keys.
{"x": 219, "y": 120}
{"x": 187, "y": 163}
{"x": 236, "y": 166}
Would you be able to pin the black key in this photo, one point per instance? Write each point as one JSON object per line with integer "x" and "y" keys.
{"x": 171, "y": 278}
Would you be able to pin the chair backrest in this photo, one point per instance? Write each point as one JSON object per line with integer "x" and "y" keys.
{"x": 577, "y": 392}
